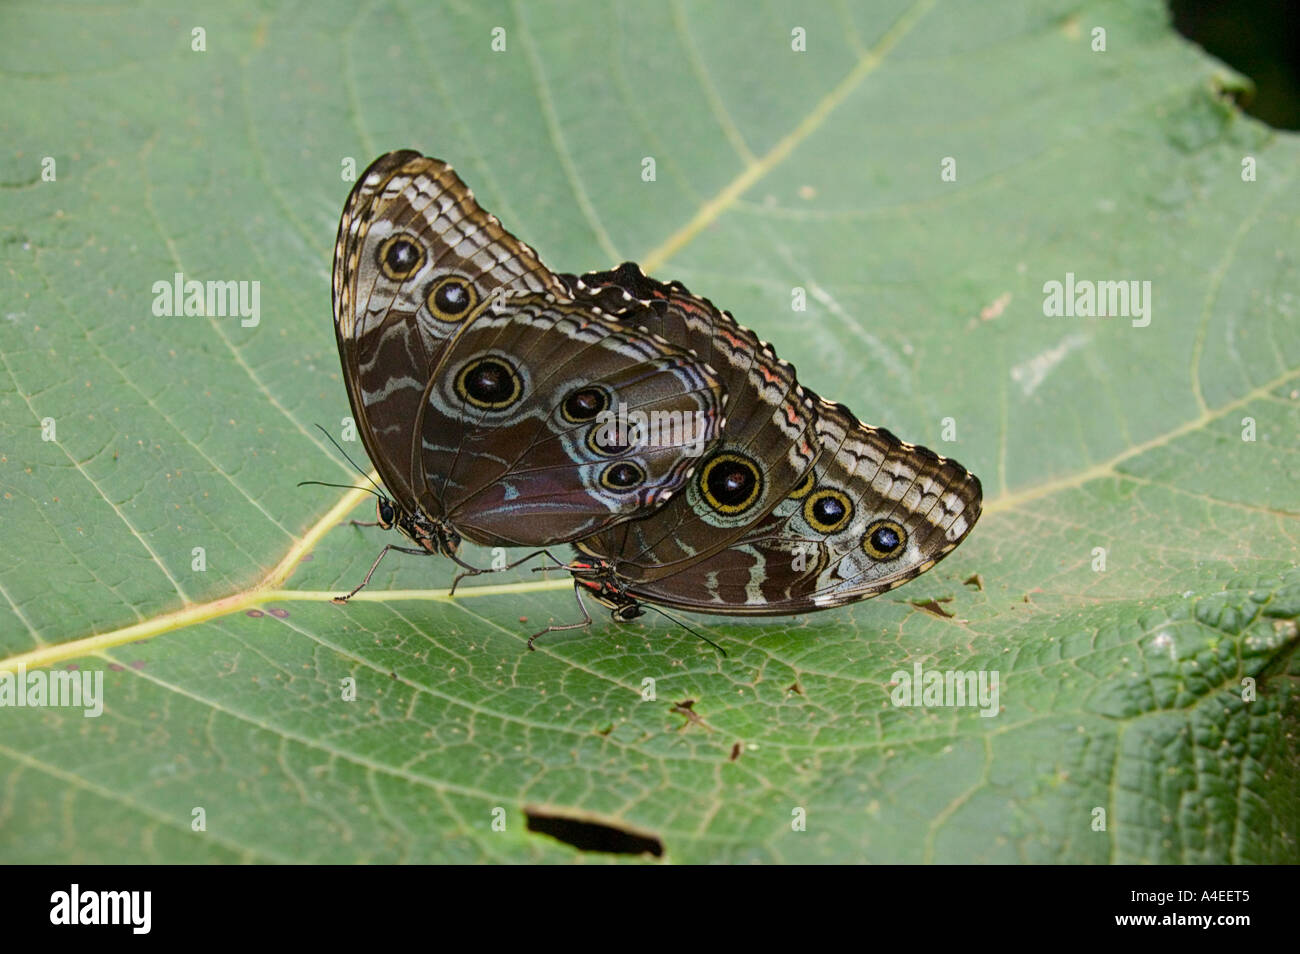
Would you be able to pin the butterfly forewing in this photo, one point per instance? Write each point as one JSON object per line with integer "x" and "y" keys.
{"x": 389, "y": 337}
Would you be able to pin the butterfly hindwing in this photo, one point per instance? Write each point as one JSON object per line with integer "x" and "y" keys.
{"x": 520, "y": 427}
{"x": 874, "y": 513}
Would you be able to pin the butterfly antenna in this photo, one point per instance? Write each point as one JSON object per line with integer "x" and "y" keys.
{"x": 685, "y": 627}
{"x": 322, "y": 483}
{"x": 330, "y": 438}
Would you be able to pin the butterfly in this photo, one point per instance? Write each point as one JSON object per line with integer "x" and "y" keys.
{"x": 481, "y": 388}
{"x": 838, "y": 512}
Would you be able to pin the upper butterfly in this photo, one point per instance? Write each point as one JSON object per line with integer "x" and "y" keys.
{"x": 479, "y": 384}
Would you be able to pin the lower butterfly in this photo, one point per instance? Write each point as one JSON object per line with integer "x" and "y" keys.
{"x": 858, "y": 513}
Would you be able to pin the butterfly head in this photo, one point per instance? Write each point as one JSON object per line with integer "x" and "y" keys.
{"x": 386, "y": 515}
{"x": 602, "y": 585}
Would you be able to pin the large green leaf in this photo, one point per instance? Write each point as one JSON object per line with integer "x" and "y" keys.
{"x": 1122, "y": 690}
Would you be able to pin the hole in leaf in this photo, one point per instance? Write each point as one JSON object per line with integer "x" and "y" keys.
{"x": 586, "y": 835}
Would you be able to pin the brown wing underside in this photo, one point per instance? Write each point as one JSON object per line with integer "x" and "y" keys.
{"x": 388, "y": 338}
{"x": 817, "y": 546}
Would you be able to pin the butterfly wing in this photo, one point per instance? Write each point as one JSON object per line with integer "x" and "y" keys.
{"x": 411, "y": 229}
{"x": 519, "y": 430}
{"x": 767, "y": 445}
{"x": 876, "y": 513}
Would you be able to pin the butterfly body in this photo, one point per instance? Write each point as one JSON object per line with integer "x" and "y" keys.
{"x": 433, "y": 536}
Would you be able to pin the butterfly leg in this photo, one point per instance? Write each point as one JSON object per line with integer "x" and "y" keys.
{"x": 382, "y": 553}
{"x": 586, "y": 619}
{"x": 475, "y": 571}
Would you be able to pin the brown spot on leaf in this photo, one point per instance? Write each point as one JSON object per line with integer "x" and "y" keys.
{"x": 996, "y": 307}
{"x": 933, "y": 608}
{"x": 686, "y": 708}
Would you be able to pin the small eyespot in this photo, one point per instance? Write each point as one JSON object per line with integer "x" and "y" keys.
{"x": 884, "y": 540}
{"x": 827, "y": 510}
{"x": 400, "y": 257}
{"x": 804, "y": 486}
{"x": 489, "y": 383}
{"x": 584, "y": 404}
{"x": 623, "y": 475}
{"x": 731, "y": 483}
{"x": 451, "y": 298}
{"x": 603, "y": 440}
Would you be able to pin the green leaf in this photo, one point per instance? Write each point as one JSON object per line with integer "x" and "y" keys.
{"x": 1122, "y": 692}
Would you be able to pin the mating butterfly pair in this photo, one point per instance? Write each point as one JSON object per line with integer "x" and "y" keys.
{"x": 480, "y": 381}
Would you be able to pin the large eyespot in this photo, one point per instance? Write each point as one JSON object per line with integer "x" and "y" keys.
{"x": 804, "y": 486}
{"x": 400, "y": 257}
{"x": 584, "y": 404}
{"x": 623, "y": 475}
{"x": 489, "y": 383}
{"x": 451, "y": 298}
{"x": 827, "y": 510}
{"x": 884, "y": 540}
{"x": 731, "y": 483}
